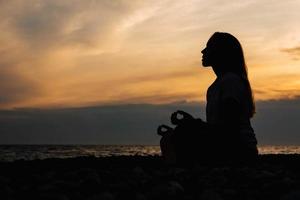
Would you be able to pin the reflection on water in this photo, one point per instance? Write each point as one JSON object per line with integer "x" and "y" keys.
{"x": 279, "y": 149}
{"x": 31, "y": 152}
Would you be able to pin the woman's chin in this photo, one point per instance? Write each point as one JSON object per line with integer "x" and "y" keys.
{"x": 204, "y": 64}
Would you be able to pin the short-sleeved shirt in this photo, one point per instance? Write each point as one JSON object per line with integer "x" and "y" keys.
{"x": 230, "y": 85}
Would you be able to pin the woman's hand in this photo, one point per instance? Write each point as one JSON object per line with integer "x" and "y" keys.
{"x": 163, "y": 129}
{"x": 180, "y": 116}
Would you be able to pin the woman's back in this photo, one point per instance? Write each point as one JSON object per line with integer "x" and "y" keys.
{"x": 230, "y": 88}
{"x": 227, "y": 87}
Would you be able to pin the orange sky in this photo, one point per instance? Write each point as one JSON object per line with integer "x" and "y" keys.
{"x": 86, "y": 52}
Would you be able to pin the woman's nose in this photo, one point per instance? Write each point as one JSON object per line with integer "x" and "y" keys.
{"x": 203, "y": 51}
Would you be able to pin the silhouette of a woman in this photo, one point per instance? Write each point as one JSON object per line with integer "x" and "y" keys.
{"x": 227, "y": 134}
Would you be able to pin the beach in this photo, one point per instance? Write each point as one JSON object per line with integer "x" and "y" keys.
{"x": 147, "y": 177}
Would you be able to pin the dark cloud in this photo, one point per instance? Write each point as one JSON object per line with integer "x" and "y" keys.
{"x": 294, "y": 52}
{"x": 163, "y": 96}
{"x": 117, "y": 124}
{"x": 14, "y": 88}
{"x": 276, "y": 122}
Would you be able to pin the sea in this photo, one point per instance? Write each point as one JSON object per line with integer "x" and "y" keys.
{"x": 10, "y": 153}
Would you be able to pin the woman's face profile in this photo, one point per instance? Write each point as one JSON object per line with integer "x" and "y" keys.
{"x": 208, "y": 54}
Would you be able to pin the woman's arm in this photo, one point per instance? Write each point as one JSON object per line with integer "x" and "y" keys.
{"x": 230, "y": 111}
{"x": 230, "y": 106}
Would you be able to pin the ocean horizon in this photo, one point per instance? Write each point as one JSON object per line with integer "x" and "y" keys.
{"x": 10, "y": 153}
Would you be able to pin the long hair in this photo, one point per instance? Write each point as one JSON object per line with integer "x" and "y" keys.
{"x": 231, "y": 56}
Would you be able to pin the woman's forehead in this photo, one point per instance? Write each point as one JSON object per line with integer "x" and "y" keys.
{"x": 211, "y": 41}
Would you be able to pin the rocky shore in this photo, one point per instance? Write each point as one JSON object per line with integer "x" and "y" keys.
{"x": 146, "y": 177}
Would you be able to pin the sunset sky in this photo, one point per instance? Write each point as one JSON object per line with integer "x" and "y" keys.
{"x": 111, "y": 71}
{"x": 76, "y": 53}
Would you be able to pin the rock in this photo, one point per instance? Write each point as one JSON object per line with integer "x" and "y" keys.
{"x": 103, "y": 196}
{"x": 90, "y": 184}
{"x": 53, "y": 196}
{"x": 178, "y": 173}
{"x": 287, "y": 181}
{"x": 210, "y": 195}
{"x": 139, "y": 172}
{"x": 230, "y": 192}
{"x": 265, "y": 175}
{"x": 140, "y": 196}
{"x": 46, "y": 187}
{"x": 293, "y": 195}
{"x": 170, "y": 190}
{"x": 6, "y": 191}
{"x": 145, "y": 178}
{"x": 176, "y": 187}
{"x": 4, "y": 180}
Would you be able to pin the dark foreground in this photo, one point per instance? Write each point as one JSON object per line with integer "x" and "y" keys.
{"x": 137, "y": 177}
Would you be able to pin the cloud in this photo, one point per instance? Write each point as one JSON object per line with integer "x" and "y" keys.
{"x": 115, "y": 124}
{"x": 79, "y": 51}
{"x": 41, "y": 38}
{"x": 294, "y": 52}
{"x": 54, "y": 24}
{"x": 180, "y": 75}
{"x": 15, "y": 86}
{"x": 275, "y": 123}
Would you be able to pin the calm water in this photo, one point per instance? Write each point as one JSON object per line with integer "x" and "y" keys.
{"x": 31, "y": 152}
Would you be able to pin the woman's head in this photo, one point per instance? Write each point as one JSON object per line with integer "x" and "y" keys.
{"x": 225, "y": 54}
{"x": 224, "y": 51}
